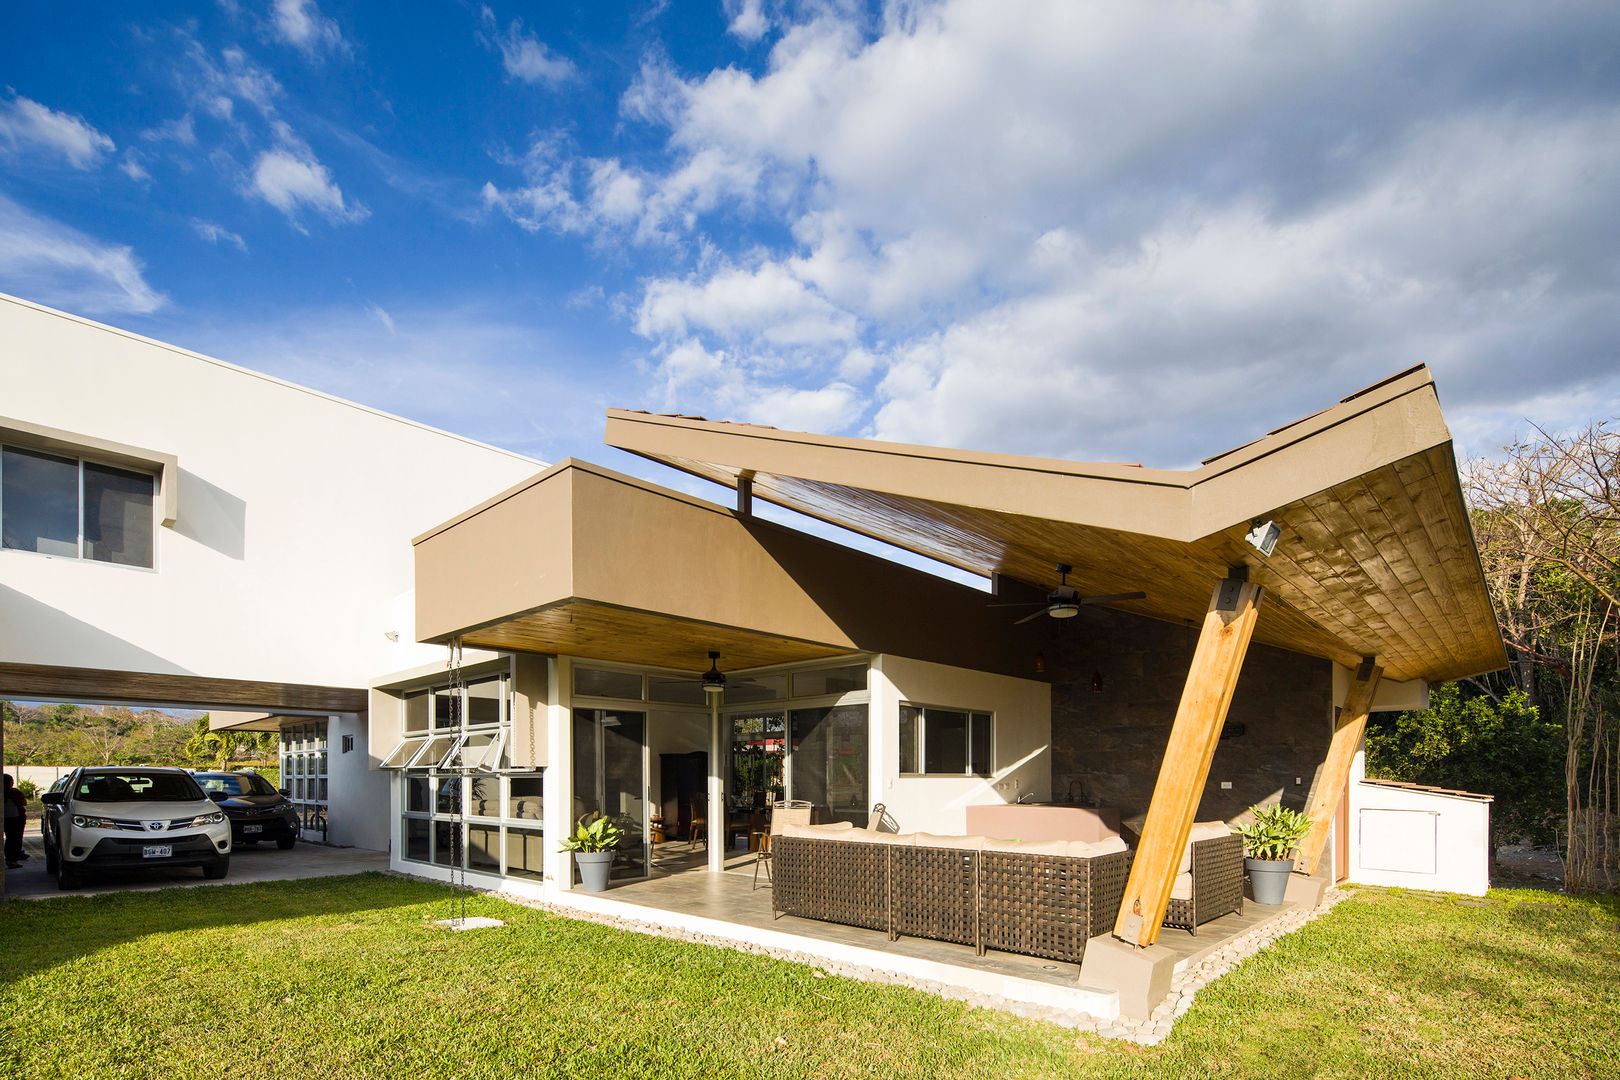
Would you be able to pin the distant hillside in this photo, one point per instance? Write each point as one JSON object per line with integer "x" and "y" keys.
{"x": 67, "y": 734}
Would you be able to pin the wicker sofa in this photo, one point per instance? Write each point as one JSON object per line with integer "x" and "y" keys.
{"x": 1033, "y": 899}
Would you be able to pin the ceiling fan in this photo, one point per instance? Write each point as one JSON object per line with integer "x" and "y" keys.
{"x": 1065, "y": 601}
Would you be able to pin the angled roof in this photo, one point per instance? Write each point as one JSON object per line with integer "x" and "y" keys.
{"x": 1376, "y": 557}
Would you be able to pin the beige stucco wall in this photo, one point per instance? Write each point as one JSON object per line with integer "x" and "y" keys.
{"x": 292, "y": 541}
{"x": 938, "y": 804}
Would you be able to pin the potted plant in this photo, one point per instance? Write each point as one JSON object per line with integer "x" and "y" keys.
{"x": 594, "y": 839}
{"x": 1268, "y": 849}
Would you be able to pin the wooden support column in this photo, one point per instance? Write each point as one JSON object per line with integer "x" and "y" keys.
{"x": 1335, "y": 774}
{"x": 1211, "y": 679}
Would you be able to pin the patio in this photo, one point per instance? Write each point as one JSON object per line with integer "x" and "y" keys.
{"x": 726, "y": 909}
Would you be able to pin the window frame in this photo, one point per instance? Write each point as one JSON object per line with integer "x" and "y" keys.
{"x": 974, "y": 717}
{"x": 80, "y": 460}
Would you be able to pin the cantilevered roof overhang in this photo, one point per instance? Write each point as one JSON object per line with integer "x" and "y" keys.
{"x": 1376, "y": 556}
{"x": 585, "y": 562}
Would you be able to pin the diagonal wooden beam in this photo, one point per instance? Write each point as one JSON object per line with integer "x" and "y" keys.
{"x": 1335, "y": 774}
{"x": 1211, "y": 679}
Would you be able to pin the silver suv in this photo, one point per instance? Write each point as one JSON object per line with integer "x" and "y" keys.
{"x": 117, "y": 817}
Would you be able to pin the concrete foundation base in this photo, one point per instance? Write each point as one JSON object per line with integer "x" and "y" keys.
{"x": 1141, "y": 977}
{"x": 1307, "y": 891}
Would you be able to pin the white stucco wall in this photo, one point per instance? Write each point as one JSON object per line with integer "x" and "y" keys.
{"x": 1417, "y": 839}
{"x": 1023, "y": 742}
{"x": 290, "y": 556}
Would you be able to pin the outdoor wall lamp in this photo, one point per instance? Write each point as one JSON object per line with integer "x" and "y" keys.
{"x": 1263, "y": 536}
{"x": 714, "y": 683}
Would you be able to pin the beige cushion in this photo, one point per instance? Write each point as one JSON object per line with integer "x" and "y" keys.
{"x": 862, "y": 836}
{"x": 1202, "y": 830}
{"x": 1091, "y": 849}
{"x": 1182, "y": 889}
{"x": 959, "y": 843}
{"x": 829, "y": 827}
{"x": 1043, "y": 847}
{"x": 996, "y": 843}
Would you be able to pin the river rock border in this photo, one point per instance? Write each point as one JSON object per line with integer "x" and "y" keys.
{"x": 1184, "y": 987}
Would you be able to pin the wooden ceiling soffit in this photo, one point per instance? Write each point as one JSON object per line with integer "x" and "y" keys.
{"x": 623, "y": 635}
{"x": 50, "y": 683}
{"x": 1376, "y": 558}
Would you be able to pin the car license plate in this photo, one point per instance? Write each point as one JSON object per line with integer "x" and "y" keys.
{"x": 157, "y": 851}
{"x": 250, "y": 829}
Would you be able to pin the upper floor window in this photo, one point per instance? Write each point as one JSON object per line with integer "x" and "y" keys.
{"x": 68, "y": 506}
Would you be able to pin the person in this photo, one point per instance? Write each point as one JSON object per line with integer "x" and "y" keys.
{"x": 16, "y": 818}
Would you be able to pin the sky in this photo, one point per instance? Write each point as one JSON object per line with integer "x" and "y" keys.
{"x": 1116, "y": 231}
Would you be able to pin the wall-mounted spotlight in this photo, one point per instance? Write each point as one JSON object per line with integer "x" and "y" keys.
{"x": 1263, "y": 536}
{"x": 714, "y": 683}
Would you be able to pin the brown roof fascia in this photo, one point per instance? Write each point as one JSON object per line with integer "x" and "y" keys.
{"x": 1372, "y": 428}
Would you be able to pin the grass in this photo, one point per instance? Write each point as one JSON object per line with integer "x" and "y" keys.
{"x": 344, "y": 977}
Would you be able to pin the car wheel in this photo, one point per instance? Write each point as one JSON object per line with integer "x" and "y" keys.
{"x": 50, "y": 858}
{"x": 65, "y": 878}
{"x": 218, "y": 870}
{"x": 285, "y": 843}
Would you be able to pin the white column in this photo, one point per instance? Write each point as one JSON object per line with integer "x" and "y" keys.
{"x": 559, "y": 794}
{"x": 882, "y": 734}
{"x": 717, "y": 792}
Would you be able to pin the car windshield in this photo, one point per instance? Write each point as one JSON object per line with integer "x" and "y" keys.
{"x": 135, "y": 786}
{"x": 236, "y": 783}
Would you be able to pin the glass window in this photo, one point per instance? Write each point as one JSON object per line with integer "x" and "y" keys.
{"x": 417, "y": 792}
{"x": 117, "y": 516}
{"x": 484, "y": 702}
{"x": 446, "y": 843}
{"x": 416, "y": 839}
{"x": 484, "y": 848}
{"x": 446, "y": 709}
{"x": 828, "y": 759}
{"x": 403, "y": 753}
{"x": 416, "y": 713}
{"x": 525, "y": 852}
{"x": 838, "y": 680}
{"x": 435, "y": 749}
{"x": 600, "y": 682}
{"x": 744, "y": 689}
{"x": 524, "y": 798}
{"x": 484, "y": 796}
{"x": 676, "y": 690}
{"x": 39, "y": 502}
{"x": 447, "y": 799}
{"x": 950, "y": 742}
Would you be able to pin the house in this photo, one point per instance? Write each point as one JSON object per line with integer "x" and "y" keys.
{"x": 1249, "y": 616}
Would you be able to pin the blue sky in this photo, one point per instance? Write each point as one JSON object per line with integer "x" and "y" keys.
{"x": 1132, "y": 232}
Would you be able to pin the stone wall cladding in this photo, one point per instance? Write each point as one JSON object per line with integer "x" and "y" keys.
{"x": 1107, "y": 743}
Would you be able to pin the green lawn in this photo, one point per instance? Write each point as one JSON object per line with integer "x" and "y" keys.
{"x": 343, "y": 977}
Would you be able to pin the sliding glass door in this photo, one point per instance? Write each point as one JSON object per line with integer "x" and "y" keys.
{"x": 827, "y": 760}
{"x": 610, "y": 777}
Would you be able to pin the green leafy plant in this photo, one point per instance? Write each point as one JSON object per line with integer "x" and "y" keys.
{"x": 592, "y": 833}
{"x": 1275, "y": 832}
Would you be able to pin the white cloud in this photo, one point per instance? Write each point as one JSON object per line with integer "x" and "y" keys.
{"x": 181, "y": 130}
{"x": 1072, "y": 229}
{"x": 26, "y": 125}
{"x": 748, "y": 21}
{"x": 291, "y": 180}
{"x": 381, "y": 316}
{"x": 217, "y": 234}
{"x": 131, "y": 165}
{"x": 52, "y": 263}
{"x": 766, "y": 304}
{"x": 299, "y": 23}
{"x": 523, "y": 55}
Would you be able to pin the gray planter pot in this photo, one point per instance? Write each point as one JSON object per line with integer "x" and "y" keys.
{"x": 593, "y": 869}
{"x": 1268, "y": 879}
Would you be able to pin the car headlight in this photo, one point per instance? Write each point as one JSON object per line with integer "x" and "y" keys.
{"x": 82, "y": 822}
{"x": 207, "y": 819}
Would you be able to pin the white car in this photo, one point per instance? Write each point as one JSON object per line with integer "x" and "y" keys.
{"x": 117, "y": 817}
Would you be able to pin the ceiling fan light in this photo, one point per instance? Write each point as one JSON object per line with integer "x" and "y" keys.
{"x": 714, "y": 683}
{"x": 1063, "y": 610}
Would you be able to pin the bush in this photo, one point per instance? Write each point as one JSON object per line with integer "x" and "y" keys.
{"x": 29, "y": 789}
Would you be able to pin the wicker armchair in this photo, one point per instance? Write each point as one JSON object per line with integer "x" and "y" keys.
{"x": 1217, "y": 884}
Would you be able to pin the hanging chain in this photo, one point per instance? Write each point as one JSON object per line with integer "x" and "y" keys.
{"x": 458, "y": 872}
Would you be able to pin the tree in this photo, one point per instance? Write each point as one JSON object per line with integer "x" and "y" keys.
{"x": 1547, "y": 522}
{"x": 1472, "y": 743}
